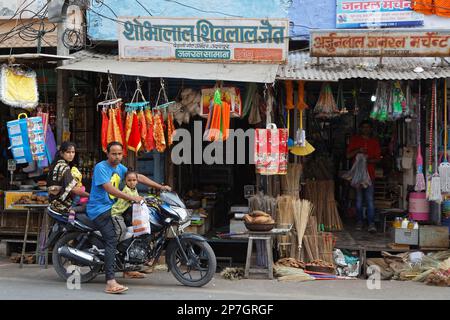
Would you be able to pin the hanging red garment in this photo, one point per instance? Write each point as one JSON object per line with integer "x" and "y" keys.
{"x": 116, "y": 127}
{"x": 110, "y": 134}
{"x": 423, "y": 6}
{"x": 158, "y": 132}
{"x": 150, "y": 142}
{"x": 105, "y": 121}
{"x": 214, "y": 134}
{"x": 134, "y": 137}
{"x": 121, "y": 129}
{"x": 170, "y": 129}
{"x": 142, "y": 129}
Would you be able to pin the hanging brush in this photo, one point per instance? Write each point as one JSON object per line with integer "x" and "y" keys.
{"x": 420, "y": 179}
{"x": 435, "y": 192}
{"x": 444, "y": 167}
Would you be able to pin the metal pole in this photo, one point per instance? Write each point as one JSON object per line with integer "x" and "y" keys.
{"x": 62, "y": 85}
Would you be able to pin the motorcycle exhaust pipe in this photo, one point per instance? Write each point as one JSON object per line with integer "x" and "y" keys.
{"x": 79, "y": 256}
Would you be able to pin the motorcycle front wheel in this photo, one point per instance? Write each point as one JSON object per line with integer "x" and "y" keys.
{"x": 200, "y": 267}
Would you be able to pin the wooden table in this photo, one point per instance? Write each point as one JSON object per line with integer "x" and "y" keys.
{"x": 41, "y": 209}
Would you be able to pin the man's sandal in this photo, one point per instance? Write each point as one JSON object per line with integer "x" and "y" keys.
{"x": 116, "y": 289}
{"x": 133, "y": 275}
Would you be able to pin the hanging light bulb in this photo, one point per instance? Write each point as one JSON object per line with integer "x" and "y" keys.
{"x": 373, "y": 98}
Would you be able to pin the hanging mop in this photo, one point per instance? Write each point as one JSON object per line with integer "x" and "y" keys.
{"x": 435, "y": 184}
{"x": 444, "y": 167}
{"x": 420, "y": 179}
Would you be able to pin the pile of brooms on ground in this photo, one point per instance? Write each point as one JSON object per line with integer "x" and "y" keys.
{"x": 306, "y": 242}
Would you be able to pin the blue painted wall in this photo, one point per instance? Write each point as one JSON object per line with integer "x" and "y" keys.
{"x": 303, "y": 14}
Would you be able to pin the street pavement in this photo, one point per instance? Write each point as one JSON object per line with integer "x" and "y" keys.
{"x": 35, "y": 282}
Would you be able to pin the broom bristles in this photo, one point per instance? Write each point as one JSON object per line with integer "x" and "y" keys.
{"x": 435, "y": 192}
{"x": 420, "y": 182}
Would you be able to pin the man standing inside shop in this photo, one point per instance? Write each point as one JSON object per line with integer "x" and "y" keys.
{"x": 368, "y": 145}
{"x": 107, "y": 177}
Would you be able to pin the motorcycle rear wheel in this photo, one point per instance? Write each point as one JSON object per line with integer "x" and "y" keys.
{"x": 62, "y": 264}
{"x": 202, "y": 258}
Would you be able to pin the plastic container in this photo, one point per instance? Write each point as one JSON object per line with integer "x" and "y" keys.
{"x": 419, "y": 207}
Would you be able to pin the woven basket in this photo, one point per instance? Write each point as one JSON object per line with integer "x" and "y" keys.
{"x": 260, "y": 227}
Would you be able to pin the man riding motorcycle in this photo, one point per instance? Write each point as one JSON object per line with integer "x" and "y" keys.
{"x": 106, "y": 179}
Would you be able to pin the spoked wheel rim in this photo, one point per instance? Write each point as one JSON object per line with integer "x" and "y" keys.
{"x": 198, "y": 264}
{"x": 72, "y": 267}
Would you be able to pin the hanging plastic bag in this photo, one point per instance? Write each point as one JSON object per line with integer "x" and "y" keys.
{"x": 141, "y": 219}
{"x": 358, "y": 174}
{"x": 18, "y": 87}
{"x": 271, "y": 150}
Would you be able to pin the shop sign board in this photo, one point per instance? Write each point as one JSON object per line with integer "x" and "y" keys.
{"x": 380, "y": 43}
{"x": 352, "y": 14}
{"x": 199, "y": 39}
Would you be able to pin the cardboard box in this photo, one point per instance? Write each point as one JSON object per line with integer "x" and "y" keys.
{"x": 406, "y": 236}
{"x": 13, "y": 196}
{"x": 433, "y": 237}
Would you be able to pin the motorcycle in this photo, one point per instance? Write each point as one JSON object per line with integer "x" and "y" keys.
{"x": 78, "y": 246}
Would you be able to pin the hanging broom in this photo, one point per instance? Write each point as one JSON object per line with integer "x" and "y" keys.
{"x": 435, "y": 192}
{"x": 420, "y": 179}
{"x": 444, "y": 167}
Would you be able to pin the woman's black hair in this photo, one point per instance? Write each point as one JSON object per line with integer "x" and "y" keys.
{"x": 66, "y": 145}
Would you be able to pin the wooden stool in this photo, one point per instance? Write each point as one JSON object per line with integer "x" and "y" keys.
{"x": 268, "y": 242}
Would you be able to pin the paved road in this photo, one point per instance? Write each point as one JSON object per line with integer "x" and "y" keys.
{"x": 34, "y": 282}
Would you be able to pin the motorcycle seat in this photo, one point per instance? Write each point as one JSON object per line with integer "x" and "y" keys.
{"x": 83, "y": 218}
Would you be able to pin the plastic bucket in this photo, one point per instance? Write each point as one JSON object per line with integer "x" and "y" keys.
{"x": 446, "y": 222}
{"x": 419, "y": 207}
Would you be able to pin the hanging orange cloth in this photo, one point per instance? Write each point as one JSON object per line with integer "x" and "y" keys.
{"x": 225, "y": 121}
{"x": 110, "y": 135}
{"x": 158, "y": 132}
{"x": 143, "y": 129}
{"x": 105, "y": 121}
{"x": 214, "y": 133}
{"x": 149, "y": 141}
{"x": 424, "y": 6}
{"x": 301, "y": 104}
{"x": 170, "y": 129}
{"x": 289, "y": 94}
{"x": 116, "y": 127}
{"x": 134, "y": 137}
{"x": 442, "y": 8}
{"x": 121, "y": 129}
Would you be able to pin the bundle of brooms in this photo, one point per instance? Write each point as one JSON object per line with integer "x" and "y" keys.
{"x": 317, "y": 245}
{"x": 285, "y": 216}
{"x": 321, "y": 194}
{"x": 290, "y": 183}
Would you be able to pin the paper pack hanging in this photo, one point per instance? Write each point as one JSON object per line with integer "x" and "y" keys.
{"x": 18, "y": 87}
{"x": 27, "y": 139}
{"x": 231, "y": 95}
{"x": 271, "y": 150}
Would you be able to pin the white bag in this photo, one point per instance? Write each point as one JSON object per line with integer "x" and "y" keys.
{"x": 141, "y": 219}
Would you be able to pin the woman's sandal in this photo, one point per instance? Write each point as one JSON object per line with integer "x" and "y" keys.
{"x": 133, "y": 275}
{"x": 116, "y": 289}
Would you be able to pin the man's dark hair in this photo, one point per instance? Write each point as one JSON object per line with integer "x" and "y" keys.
{"x": 366, "y": 122}
{"x": 112, "y": 144}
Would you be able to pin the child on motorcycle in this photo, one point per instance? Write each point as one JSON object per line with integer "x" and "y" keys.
{"x": 123, "y": 207}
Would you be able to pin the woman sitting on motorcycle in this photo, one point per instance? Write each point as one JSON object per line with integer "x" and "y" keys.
{"x": 61, "y": 184}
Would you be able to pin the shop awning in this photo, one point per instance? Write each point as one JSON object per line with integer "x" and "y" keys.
{"x": 33, "y": 57}
{"x": 98, "y": 62}
{"x": 302, "y": 66}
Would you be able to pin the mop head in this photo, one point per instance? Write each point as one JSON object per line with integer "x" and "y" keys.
{"x": 435, "y": 189}
{"x": 444, "y": 174}
{"x": 420, "y": 182}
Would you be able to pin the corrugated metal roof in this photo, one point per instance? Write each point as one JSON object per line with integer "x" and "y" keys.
{"x": 301, "y": 66}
